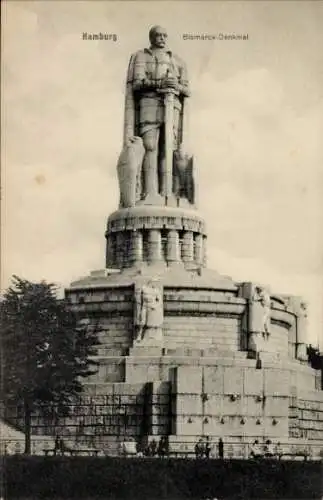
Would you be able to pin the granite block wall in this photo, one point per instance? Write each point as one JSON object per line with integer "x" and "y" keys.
{"x": 231, "y": 401}
{"x": 201, "y": 331}
{"x": 278, "y": 340}
{"x": 159, "y": 408}
{"x": 111, "y": 369}
{"x": 216, "y": 389}
{"x": 193, "y": 318}
{"x": 306, "y": 415}
{"x": 116, "y": 334}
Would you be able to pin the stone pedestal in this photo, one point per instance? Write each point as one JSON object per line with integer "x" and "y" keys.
{"x": 214, "y": 389}
{"x": 134, "y": 236}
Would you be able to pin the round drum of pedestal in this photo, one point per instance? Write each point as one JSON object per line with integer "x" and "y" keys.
{"x": 155, "y": 235}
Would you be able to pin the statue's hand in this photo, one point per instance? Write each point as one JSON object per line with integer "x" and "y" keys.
{"x": 171, "y": 83}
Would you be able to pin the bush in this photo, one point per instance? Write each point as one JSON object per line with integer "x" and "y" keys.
{"x": 146, "y": 479}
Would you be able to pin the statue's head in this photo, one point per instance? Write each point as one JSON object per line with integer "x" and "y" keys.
{"x": 158, "y": 37}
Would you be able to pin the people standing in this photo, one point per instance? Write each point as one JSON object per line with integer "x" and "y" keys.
{"x": 278, "y": 451}
{"x": 57, "y": 445}
{"x": 62, "y": 447}
{"x": 221, "y": 448}
{"x": 269, "y": 449}
{"x": 199, "y": 448}
{"x": 152, "y": 448}
{"x": 207, "y": 447}
{"x": 162, "y": 449}
{"x": 255, "y": 450}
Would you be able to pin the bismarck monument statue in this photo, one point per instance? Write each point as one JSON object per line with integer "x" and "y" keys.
{"x": 185, "y": 352}
{"x": 155, "y": 110}
{"x": 157, "y": 221}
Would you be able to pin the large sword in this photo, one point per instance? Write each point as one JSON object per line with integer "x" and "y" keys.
{"x": 169, "y": 143}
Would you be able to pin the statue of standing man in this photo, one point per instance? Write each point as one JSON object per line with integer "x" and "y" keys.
{"x": 148, "y": 313}
{"x": 153, "y": 74}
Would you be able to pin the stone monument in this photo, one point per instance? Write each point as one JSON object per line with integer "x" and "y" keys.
{"x": 156, "y": 91}
{"x": 181, "y": 344}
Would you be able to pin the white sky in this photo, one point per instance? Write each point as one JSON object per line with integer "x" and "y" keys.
{"x": 255, "y": 129}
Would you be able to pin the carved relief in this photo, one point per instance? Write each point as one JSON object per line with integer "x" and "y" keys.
{"x": 257, "y": 317}
{"x": 148, "y": 313}
{"x": 299, "y": 308}
{"x": 301, "y": 350}
{"x": 260, "y": 311}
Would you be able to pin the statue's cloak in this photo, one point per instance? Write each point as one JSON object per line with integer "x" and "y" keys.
{"x": 130, "y": 109}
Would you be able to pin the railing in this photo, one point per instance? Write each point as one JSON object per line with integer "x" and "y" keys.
{"x": 238, "y": 450}
{"x": 17, "y": 446}
{"x": 233, "y": 450}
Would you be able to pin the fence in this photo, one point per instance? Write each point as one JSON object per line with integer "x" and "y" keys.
{"x": 17, "y": 446}
{"x": 233, "y": 450}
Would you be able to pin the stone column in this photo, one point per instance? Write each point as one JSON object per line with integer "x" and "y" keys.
{"x": 154, "y": 239}
{"x": 109, "y": 251}
{"x": 199, "y": 249}
{"x": 137, "y": 245}
{"x": 119, "y": 249}
{"x": 173, "y": 246}
{"x": 126, "y": 251}
{"x": 204, "y": 252}
{"x": 188, "y": 246}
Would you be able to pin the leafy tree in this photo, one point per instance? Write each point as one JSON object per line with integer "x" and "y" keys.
{"x": 46, "y": 347}
{"x": 315, "y": 357}
{"x": 315, "y": 360}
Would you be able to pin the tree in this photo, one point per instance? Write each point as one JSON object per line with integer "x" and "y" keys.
{"x": 47, "y": 350}
{"x": 315, "y": 357}
{"x": 315, "y": 360}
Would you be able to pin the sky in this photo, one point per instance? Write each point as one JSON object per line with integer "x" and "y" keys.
{"x": 255, "y": 125}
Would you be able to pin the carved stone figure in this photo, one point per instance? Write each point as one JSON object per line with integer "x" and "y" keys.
{"x": 184, "y": 186}
{"x": 148, "y": 314}
{"x": 156, "y": 77}
{"x": 261, "y": 311}
{"x": 301, "y": 350}
{"x": 129, "y": 171}
{"x": 257, "y": 325}
{"x": 300, "y": 309}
